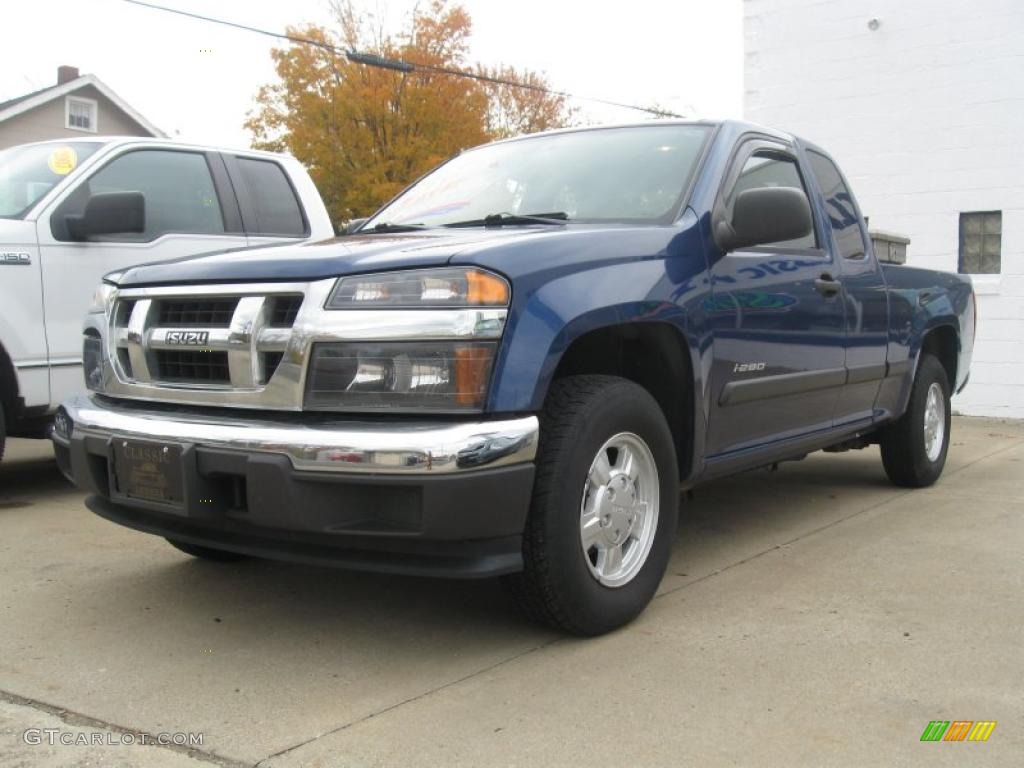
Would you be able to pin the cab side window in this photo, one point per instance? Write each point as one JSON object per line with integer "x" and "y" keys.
{"x": 842, "y": 213}
{"x": 178, "y": 187}
{"x": 765, "y": 168}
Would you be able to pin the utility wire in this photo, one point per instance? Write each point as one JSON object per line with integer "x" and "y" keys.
{"x": 373, "y": 60}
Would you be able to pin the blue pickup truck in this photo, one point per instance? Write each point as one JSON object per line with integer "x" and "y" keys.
{"x": 517, "y": 364}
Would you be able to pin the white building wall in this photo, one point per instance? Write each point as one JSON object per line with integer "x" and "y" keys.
{"x": 925, "y": 115}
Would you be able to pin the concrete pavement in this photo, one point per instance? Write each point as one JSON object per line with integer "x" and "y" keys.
{"x": 812, "y": 616}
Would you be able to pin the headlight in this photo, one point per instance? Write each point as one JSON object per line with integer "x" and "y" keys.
{"x": 410, "y": 376}
{"x": 62, "y": 424}
{"x": 92, "y": 362}
{"x": 101, "y": 298}
{"x": 421, "y": 289}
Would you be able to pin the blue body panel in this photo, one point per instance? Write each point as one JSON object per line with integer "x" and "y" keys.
{"x": 830, "y": 368}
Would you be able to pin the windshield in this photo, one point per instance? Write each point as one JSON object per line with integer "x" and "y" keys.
{"x": 27, "y": 173}
{"x": 635, "y": 174}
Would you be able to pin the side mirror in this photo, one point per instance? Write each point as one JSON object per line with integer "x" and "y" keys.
{"x": 353, "y": 225}
{"x": 765, "y": 215}
{"x": 110, "y": 213}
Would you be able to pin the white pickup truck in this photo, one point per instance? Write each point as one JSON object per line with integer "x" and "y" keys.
{"x": 72, "y": 211}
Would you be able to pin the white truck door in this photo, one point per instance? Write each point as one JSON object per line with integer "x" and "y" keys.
{"x": 190, "y": 209}
{"x": 21, "y": 308}
{"x": 28, "y": 174}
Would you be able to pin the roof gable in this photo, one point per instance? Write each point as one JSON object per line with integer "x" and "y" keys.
{"x": 11, "y": 102}
{"x": 20, "y": 104}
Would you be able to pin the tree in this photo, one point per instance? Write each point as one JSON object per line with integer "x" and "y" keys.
{"x": 366, "y": 132}
{"x": 512, "y": 111}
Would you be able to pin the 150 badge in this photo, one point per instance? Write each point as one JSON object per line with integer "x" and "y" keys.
{"x": 15, "y": 257}
{"x": 188, "y": 338}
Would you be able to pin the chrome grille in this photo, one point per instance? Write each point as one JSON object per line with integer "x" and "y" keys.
{"x": 123, "y": 312}
{"x": 235, "y": 342}
{"x": 284, "y": 310}
{"x": 257, "y": 356}
{"x": 202, "y": 313}
{"x": 192, "y": 366}
{"x": 270, "y": 362}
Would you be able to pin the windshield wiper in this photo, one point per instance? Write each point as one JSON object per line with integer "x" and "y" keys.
{"x": 500, "y": 219}
{"x": 387, "y": 226}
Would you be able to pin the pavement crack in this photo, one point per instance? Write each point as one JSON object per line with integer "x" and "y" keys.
{"x": 79, "y": 720}
{"x": 895, "y": 497}
{"x": 411, "y": 699}
{"x": 776, "y": 547}
{"x": 452, "y": 683}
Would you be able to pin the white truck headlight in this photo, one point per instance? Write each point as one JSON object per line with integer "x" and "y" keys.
{"x": 101, "y": 298}
{"x": 92, "y": 362}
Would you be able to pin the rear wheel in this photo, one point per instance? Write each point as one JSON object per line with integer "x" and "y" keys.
{"x": 206, "y": 553}
{"x": 914, "y": 447}
{"x": 3, "y": 432}
{"x": 604, "y": 508}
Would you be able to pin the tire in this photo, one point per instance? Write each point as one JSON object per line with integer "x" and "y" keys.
{"x": 3, "y": 433}
{"x": 207, "y": 553}
{"x": 562, "y": 585}
{"x": 911, "y": 457}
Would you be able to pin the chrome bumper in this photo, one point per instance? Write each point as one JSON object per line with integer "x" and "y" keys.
{"x": 331, "y": 445}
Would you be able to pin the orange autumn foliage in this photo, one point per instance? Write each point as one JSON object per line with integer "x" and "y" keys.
{"x": 365, "y": 133}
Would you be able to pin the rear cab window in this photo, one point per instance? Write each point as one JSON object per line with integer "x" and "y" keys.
{"x": 275, "y": 205}
{"x": 840, "y": 205}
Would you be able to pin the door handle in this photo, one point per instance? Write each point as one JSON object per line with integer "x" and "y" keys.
{"x": 827, "y": 285}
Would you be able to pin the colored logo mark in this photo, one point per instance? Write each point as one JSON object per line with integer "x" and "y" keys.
{"x": 958, "y": 730}
{"x": 750, "y": 301}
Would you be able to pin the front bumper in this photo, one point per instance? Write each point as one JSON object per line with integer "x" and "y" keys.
{"x": 446, "y": 498}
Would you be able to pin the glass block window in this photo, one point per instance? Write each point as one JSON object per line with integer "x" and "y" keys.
{"x": 981, "y": 242}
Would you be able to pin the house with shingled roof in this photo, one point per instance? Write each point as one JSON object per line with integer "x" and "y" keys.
{"x": 76, "y": 105}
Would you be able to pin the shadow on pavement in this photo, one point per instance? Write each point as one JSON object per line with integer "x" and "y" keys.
{"x": 28, "y": 470}
{"x": 755, "y": 511}
{"x": 271, "y": 603}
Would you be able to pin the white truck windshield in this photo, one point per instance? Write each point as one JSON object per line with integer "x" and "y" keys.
{"x": 29, "y": 172}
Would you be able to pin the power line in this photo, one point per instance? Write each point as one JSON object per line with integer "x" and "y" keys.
{"x": 374, "y": 60}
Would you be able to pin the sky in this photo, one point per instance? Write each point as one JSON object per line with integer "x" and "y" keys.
{"x": 196, "y": 80}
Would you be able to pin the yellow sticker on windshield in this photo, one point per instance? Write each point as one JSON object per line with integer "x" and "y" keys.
{"x": 63, "y": 160}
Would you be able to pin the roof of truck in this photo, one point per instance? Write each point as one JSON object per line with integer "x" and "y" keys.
{"x": 739, "y": 124}
{"x": 148, "y": 141}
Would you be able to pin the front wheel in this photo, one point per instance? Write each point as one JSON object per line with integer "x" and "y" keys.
{"x": 914, "y": 447}
{"x": 604, "y": 509}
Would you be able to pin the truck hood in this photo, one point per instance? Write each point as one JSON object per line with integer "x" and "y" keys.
{"x": 327, "y": 258}
{"x": 510, "y": 249}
